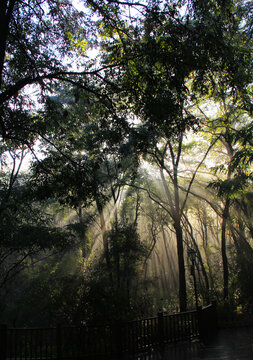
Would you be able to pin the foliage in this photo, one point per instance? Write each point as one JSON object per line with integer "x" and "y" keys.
{"x": 38, "y": 42}
{"x": 121, "y": 295}
{"x": 27, "y": 231}
{"x": 46, "y": 293}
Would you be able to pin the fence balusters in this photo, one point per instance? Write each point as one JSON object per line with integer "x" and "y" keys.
{"x": 76, "y": 342}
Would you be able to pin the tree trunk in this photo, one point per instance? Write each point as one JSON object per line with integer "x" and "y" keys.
{"x": 199, "y": 257}
{"x": 6, "y": 10}
{"x": 175, "y": 214}
{"x": 181, "y": 267}
{"x": 223, "y": 249}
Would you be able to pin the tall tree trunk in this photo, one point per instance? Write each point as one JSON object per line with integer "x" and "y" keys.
{"x": 175, "y": 214}
{"x": 225, "y": 214}
{"x": 205, "y": 248}
{"x": 181, "y": 266}
{"x": 6, "y": 10}
{"x": 199, "y": 257}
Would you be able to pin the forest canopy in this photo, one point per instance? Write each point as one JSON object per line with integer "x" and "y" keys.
{"x": 125, "y": 143}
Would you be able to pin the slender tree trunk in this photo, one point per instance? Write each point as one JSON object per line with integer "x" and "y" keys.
{"x": 175, "y": 214}
{"x": 205, "y": 247}
{"x": 6, "y": 10}
{"x": 199, "y": 256}
{"x": 3, "y": 35}
{"x": 181, "y": 267}
{"x": 225, "y": 215}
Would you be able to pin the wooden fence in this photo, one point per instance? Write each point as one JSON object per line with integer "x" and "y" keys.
{"x": 87, "y": 342}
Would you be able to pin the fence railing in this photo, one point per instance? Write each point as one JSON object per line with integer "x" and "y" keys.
{"x": 85, "y": 342}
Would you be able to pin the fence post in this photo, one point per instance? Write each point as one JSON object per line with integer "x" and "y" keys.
{"x": 214, "y": 316}
{"x": 207, "y": 319}
{"x": 160, "y": 328}
{"x": 59, "y": 341}
{"x": 3, "y": 342}
{"x": 117, "y": 337}
{"x": 201, "y": 321}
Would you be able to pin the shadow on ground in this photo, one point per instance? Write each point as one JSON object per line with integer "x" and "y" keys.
{"x": 226, "y": 344}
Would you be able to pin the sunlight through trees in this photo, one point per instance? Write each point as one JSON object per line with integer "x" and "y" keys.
{"x": 139, "y": 152}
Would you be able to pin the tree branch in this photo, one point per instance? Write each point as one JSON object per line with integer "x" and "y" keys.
{"x": 195, "y": 173}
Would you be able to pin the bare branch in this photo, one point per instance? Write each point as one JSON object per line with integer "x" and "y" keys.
{"x": 195, "y": 173}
